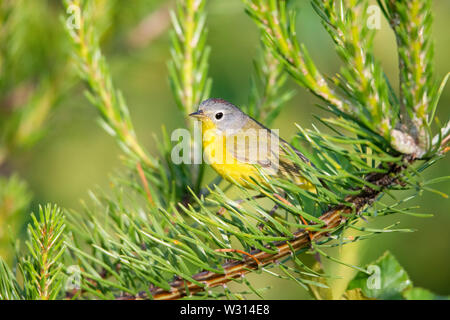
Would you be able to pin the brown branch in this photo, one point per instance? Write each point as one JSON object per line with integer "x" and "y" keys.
{"x": 332, "y": 218}
{"x": 241, "y": 252}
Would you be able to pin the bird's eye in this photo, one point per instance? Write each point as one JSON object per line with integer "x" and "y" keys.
{"x": 219, "y": 115}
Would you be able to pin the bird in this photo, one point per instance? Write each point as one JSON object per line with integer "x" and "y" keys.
{"x": 242, "y": 150}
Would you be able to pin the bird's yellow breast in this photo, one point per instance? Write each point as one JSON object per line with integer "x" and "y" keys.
{"x": 226, "y": 165}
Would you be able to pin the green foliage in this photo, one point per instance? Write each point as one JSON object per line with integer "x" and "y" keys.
{"x": 92, "y": 69}
{"x": 188, "y": 71}
{"x": 361, "y": 91}
{"x": 389, "y": 281}
{"x": 278, "y": 28}
{"x": 393, "y": 279}
{"x": 267, "y": 96}
{"x": 423, "y": 294}
{"x": 9, "y": 288}
{"x": 135, "y": 242}
{"x": 14, "y": 202}
{"x": 40, "y": 267}
{"x": 189, "y": 65}
{"x": 30, "y": 85}
{"x": 362, "y": 80}
{"x": 411, "y": 22}
{"x": 159, "y": 234}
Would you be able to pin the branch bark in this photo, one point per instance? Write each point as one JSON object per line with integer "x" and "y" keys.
{"x": 235, "y": 269}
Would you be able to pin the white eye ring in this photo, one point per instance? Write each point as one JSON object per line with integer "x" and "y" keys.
{"x": 218, "y": 115}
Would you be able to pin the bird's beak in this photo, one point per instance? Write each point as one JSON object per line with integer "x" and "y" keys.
{"x": 198, "y": 114}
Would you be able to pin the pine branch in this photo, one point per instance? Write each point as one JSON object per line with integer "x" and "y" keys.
{"x": 9, "y": 287}
{"x": 103, "y": 95}
{"x": 188, "y": 68}
{"x": 279, "y": 33}
{"x": 363, "y": 91}
{"x": 362, "y": 76}
{"x": 266, "y": 103}
{"x": 332, "y": 218}
{"x": 42, "y": 268}
{"x": 411, "y": 22}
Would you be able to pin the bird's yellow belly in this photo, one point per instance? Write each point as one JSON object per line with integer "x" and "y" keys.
{"x": 243, "y": 174}
{"x": 228, "y": 167}
{"x": 216, "y": 154}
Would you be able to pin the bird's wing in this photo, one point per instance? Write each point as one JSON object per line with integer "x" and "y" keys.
{"x": 266, "y": 149}
{"x": 253, "y": 147}
{"x": 256, "y": 144}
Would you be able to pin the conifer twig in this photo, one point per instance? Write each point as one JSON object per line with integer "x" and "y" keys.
{"x": 103, "y": 95}
{"x": 43, "y": 267}
{"x": 188, "y": 68}
{"x": 411, "y": 21}
{"x": 281, "y": 37}
{"x": 266, "y": 103}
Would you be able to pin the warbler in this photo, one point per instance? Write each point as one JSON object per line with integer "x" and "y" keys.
{"x": 242, "y": 150}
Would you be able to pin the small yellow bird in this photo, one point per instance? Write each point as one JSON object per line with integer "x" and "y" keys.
{"x": 241, "y": 149}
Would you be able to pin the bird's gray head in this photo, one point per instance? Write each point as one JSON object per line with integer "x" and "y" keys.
{"x": 225, "y": 115}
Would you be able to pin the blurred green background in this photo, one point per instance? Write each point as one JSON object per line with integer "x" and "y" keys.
{"x": 75, "y": 155}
